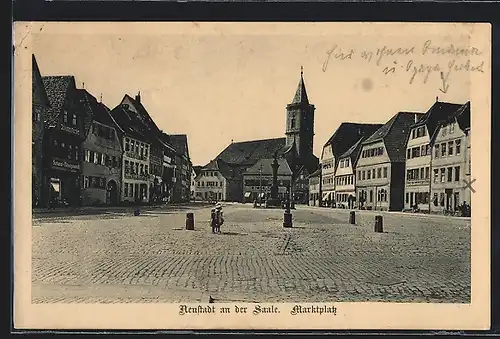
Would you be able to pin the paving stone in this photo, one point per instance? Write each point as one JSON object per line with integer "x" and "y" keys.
{"x": 153, "y": 259}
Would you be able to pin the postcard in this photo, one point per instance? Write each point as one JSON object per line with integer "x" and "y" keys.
{"x": 209, "y": 175}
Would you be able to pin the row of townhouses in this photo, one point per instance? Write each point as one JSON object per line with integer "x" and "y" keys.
{"x": 84, "y": 153}
{"x": 418, "y": 161}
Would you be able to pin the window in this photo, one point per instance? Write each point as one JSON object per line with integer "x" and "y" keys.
{"x": 427, "y": 172}
{"x": 373, "y": 173}
{"x": 369, "y": 175}
{"x": 443, "y": 149}
{"x": 292, "y": 123}
{"x": 423, "y": 150}
{"x": 92, "y": 156}
{"x": 146, "y": 169}
{"x": 371, "y": 196}
{"x": 379, "y": 173}
{"x": 346, "y": 162}
{"x": 442, "y": 174}
{"x": 198, "y": 184}
{"x": 457, "y": 145}
{"x": 131, "y": 193}
{"x": 75, "y": 121}
{"x": 408, "y": 153}
{"x": 457, "y": 173}
{"x": 385, "y": 172}
{"x": 450, "y": 148}
{"x": 142, "y": 149}
{"x": 126, "y": 167}
{"x": 65, "y": 117}
{"x": 146, "y": 150}
{"x": 422, "y": 175}
{"x": 137, "y": 147}
{"x": 450, "y": 174}
{"x": 132, "y": 144}
{"x": 452, "y": 128}
{"x": 436, "y": 151}
{"x": 141, "y": 169}
{"x": 127, "y": 144}
{"x": 137, "y": 168}
{"x": 103, "y": 183}
{"x": 103, "y": 159}
{"x": 359, "y": 175}
{"x": 85, "y": 181}
{"x": 363, "y": 175}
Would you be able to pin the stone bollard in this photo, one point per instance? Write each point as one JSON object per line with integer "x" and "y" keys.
{"x": 190, "y": 221}
{"x": 137, "y": 212}
{"x": 352, "y": 218}
{"x": 379, "y": 224}
{"x": 287, "y": 219}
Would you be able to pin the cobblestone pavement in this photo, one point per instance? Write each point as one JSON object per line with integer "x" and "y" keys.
{"x": 117, "y": 257}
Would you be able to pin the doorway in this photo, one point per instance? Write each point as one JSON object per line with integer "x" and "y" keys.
{"x": 111, "y": 193}
{"x": 448, "y": 192}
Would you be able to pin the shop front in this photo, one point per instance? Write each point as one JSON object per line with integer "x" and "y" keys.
{"x": 63, "y": 183}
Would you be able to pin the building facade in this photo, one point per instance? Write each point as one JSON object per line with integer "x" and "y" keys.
{"x": 136, "y": 151}
{"x": 380, "y": 169}
{"x": 102, "y": 157}
{"x": 315, "y": 188}
{"x": 39, "y": 105}
{"x": 217, "y": 181}
{"x": 346, "y": 135}
{"x": 258, "y": 179}
{"x": 345, "y": 177}
{"x": 63, "y": 137}
{"x": 451, "y": 162}
{"x": 182, "y": 173}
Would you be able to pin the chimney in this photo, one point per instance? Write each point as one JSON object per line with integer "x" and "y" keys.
{"x": 416, "y": 117}
{"x": 138, "y": 97}
{"x": 83, "y": 85}
{"x": 437, "y": 99}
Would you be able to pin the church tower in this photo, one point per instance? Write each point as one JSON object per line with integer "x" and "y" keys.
{"x": 300, "y": 122}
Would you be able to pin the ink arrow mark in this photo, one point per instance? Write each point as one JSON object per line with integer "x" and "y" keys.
{"x": 445, "y": 86}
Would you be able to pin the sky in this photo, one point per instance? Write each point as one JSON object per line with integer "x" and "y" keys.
{"x": 232, "y": 83}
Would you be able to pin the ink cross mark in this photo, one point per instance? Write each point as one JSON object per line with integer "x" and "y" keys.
{"x": 445, "y": 86}
{"x": 468, "y": 184}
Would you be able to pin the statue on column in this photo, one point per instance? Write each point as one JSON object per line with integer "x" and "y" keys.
{"x": 274, "y": 200}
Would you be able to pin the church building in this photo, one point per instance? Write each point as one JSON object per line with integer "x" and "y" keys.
{"x": 296, "y": 147}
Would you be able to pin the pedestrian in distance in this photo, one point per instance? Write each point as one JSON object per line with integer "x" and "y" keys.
{"x": 219, "y": 216}
{"x": 213, "y": 220}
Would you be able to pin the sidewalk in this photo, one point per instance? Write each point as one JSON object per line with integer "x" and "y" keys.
{"x": 410, "y": 214}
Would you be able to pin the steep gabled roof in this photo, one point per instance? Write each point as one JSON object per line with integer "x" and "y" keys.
{"x": 353, "y": 152}
{"x": 180, "y": 143}
{"x": 126, "y": 120}
{"x": 461, "y": 116}
{"x": 37, "y": 80}
{"x": 224, "y": 168}
{"x": 141, "y": 110}
{"x": 57, "y": 88}
{"x": 437, "y": 112}
{"x": 247, "y": 153}
{"x": 394, "y": 134}
{"x": 347, "y": 134}
{"x": 267, "y": 169}
{"x": 316, "y": 173}
{"x": 100, "y": 112}
{"x": 197, "y": 169}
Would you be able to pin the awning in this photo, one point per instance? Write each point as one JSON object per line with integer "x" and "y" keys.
{"x": 326, "y": 195}
{"x": 248, "y": 194}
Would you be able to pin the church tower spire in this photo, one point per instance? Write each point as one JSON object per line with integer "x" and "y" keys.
{"x": 300, "y": 121}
